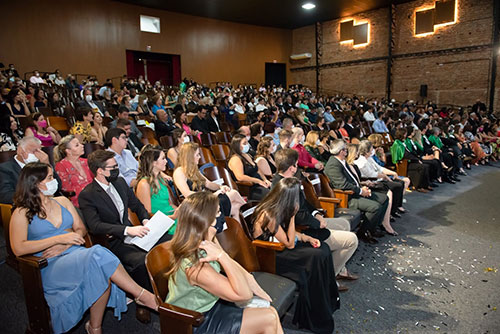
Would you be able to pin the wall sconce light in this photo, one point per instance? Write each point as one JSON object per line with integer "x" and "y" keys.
{"x": 442, "y": 14}
{"x": 358, "y": 34}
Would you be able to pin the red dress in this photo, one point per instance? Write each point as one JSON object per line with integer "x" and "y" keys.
{"x": 305, "y": 159}
{"x": 71, "y": 179}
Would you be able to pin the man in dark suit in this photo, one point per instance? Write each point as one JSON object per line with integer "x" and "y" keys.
{"x": 134, "y": 144}
{"x": 372, "y": 205}
{"x": 348, "y": 125}
{"x": 199, "y": 121}
{"x": 163, "y": 125}
{"x": 90, "y": 103}
{"x": 213, "y": 121}
{"x": 104, "y": 204}
{"x": 28, "y": 150}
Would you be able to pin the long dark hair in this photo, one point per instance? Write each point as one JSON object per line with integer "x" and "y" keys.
{"x": 146, "y": 161}
{"x": 196, "y": 213}
{"x": 235, "y": 147}
{"x": 27, "y": 195}
{"x": 5, "y": 126}
{"x": 279, "y": 205}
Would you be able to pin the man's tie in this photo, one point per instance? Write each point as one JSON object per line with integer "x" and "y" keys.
{"x": 115, "y": 202}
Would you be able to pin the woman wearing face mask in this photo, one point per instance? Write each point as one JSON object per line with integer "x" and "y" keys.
{"x": 188, "y": 179}
{"x": 72, "y": 169}
{"x": 152, "y": 189}
{"x": 76, "y": 278}
{"x": 244, "y": 169}
{"x": 264, "y": 157}
{"x": 314, "y": 148}
{"x": 38, "y": 127}
{"x": 142, "y": 106}
{"x": 179, "y": 137}
{"x": 194, "y": 278}
{"x": 306, "y": 161}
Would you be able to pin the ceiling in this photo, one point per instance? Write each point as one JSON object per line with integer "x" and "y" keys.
{"x": 287, "y": 14}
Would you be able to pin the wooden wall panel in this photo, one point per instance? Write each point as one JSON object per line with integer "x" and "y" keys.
{"x": 92, "y": 36}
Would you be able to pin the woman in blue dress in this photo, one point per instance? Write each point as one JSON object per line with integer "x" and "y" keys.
{"x": 76, "y": 278}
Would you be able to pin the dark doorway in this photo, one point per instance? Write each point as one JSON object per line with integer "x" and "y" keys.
{"x": 162, "y": 67}
{"x": 276, "y": 74}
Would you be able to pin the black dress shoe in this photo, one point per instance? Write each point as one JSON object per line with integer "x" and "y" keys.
{"x": 456, "y": 179}
{"x": 402, "y": 211}
{"x": 378, "y": 234}
{"x": 448, "y": 180}
{"x": 366, "y": 237}
{"x": 142, "y": 314}
{"x": 392, "y": 219}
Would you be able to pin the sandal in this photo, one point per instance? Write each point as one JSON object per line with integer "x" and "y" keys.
{"x": 89, "y": 329}
{"x": 137, "y": 300}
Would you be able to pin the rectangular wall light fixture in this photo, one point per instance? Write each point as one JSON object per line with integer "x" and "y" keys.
{"x": 355, "y": 33}
{"x": 428, "y": 19}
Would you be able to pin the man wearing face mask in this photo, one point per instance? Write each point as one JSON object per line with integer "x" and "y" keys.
{"x": 28, "y": 150}
{"x": 116, "y": 141}
{"x": 104, "y": 204}
{"x": 88, "y": 101}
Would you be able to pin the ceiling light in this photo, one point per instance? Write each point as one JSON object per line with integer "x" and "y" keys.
{"x": 308, "y": 6}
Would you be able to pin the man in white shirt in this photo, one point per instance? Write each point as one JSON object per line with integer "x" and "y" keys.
{"x": 261, "y": 105}
{"x": 36, "y": 79}
{"x": 116, "y": 140}
{"x": 368, "y": 115}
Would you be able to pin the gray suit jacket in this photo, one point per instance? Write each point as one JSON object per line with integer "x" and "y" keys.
{"x": 339, "y": 176}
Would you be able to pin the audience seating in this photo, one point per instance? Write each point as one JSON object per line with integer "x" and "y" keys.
{"x": 221, "y": 154}
{"x": 402, "y": 168}
{"x": 206, "y": 157}
{"x": 50, "y": 152}
{"x": 194, "y": 139}
{"x": 226, "y": 127}
{"x": 218, "y": 174}
{"x": 326, "y": 203}
{"x": 173, "y": 319}
{"x": 24, "y": 122}
{"x": 59, "y": 123}
{"x": 148, "y": 135}
{"x": 106, "y": 121}
{"x": 45, "y": 111}
{"x": 223, "y": 137}
{"x": 6, "y": 155}
{"x": 29, "y": 267}
{"x": 208, "y": 139}
{"x": 166, "y": 142}
{"x": 91, "y": 147}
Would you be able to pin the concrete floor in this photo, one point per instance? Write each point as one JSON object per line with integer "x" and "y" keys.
{"x": 439, "y": 276}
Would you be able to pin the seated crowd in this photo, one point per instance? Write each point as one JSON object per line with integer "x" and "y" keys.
{"x": 107, "y": 169}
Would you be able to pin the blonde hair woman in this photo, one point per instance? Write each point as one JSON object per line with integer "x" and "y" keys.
{"x": 188, "y": 179}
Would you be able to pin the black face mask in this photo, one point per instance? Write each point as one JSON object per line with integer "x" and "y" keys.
{"x": 113, "y": 175}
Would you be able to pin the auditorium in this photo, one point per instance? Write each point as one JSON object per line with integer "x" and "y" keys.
{"x": 250, "y": 167}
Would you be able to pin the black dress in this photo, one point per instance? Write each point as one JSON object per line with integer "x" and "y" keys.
{"x": 312, "y": 269}
{"x": 257, "y": 192}
{"x": 224, "y": 203}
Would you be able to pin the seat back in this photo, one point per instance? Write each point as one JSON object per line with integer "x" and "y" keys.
{"x": 310, "y": 194}
{"x": 6, "y": 155}
{"x": 45, "y": 111}
{"x": 6, "y": 212}
{"x": 194, "y": 139}
{"x": 157, "y": 261}
{"x": 59, "y": 123}
{"x": 223, "y": 137}
{"x": 236, "y": 243}
{"x": 217, "y": 173}
{"x": 221, "y": 154}
{"x": 50, "y": 152}
{"x": 206, "y": 157}
{"x": 148, "y": 135}
{"x": 91, "y": 147}
{"x": 208, "y": 139}
{"x": 402, "y": 168}
{"x": 246, "y": 216}
{"x": 166, "y": 142}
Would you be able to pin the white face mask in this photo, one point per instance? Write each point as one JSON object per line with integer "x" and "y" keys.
{"x": 31, "y": 158}
{"x": 88, "y": 98}
{"x": 303, "y": 139}
{"x": 262, "y": 133}
{"x": 274, "y": 149}
{"x": 248, "y": 138}
{"x": 246, "y": 148}
{"x": 318, "y": 142}
{"x": 51, "y": 187}
{"x": 146, "y": 101}
{"x": 186, "y": 139}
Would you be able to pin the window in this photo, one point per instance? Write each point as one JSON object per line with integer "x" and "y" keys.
{"x": 150, "y": 24}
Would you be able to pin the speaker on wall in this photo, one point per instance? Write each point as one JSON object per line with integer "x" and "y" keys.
{"x": 423, "y": 90}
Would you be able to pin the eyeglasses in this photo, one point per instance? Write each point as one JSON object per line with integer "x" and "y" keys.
{"x": 112, "y": 167}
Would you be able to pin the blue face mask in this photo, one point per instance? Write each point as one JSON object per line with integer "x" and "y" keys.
{"x": 246, "y": 148}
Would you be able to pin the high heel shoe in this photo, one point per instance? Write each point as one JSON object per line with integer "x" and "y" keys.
{"x": 137, "y": 300}
{"x": 89, "y": 329}
{"x": 394, "y": 234}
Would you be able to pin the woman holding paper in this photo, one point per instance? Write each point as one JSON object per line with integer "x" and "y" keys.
{"x": 188, "y": 179}
{"x": 152, "y": 189}
{"x": 202, "y": 288}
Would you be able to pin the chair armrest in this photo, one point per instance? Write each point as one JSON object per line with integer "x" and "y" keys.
{"x": 32, "y": 261}
{"x": 244, "y": 187}
{"x": 277, "y": 246}
{"x": 178, "y": 313}
{"x": 343, "y": 195}
{"x": 328, "y": 204}
{"x": 346, "y": 192}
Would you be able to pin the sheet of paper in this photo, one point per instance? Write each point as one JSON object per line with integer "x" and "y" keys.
{"x": 158, "y": 225}
{"x": 219, "y": 181}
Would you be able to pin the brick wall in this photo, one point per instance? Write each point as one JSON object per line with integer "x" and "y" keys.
{"x": 456, "y": 77}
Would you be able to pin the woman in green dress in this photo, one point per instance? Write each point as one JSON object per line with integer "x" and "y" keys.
{"x": 153, "y": 189}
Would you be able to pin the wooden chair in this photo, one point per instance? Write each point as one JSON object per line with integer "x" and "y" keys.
{"x": 166, "y": 142}
{"x": 208, "y": 139}
{"x": 343, "y": 195}
{"x": 29, "y": 268}
{"x": 325, "y": 203}
{"x": 226, "y": 127}
{"x": 221, "y": 154}
{"x": 6, "y": 155}
{"x": 6, "y": 212}
{"x": 194, "y": 139}
{"x": 91, "y": 147}
{"x": 59, "y": 123}
{"x": 206, "y": 157}
{"x": 243, "y": 250}
{"x": 148, "y": 135}
{"x": 242, "y": 119}
{"x": 173, "y": 319}
{"x": 45, "y": 111}
{"x": 24, "y": 122}
{"x": 402, "y": 168}
{"x": 220, "y": 175}
{"x": 223, "y": 137}
{"x": 106, "y": 121}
